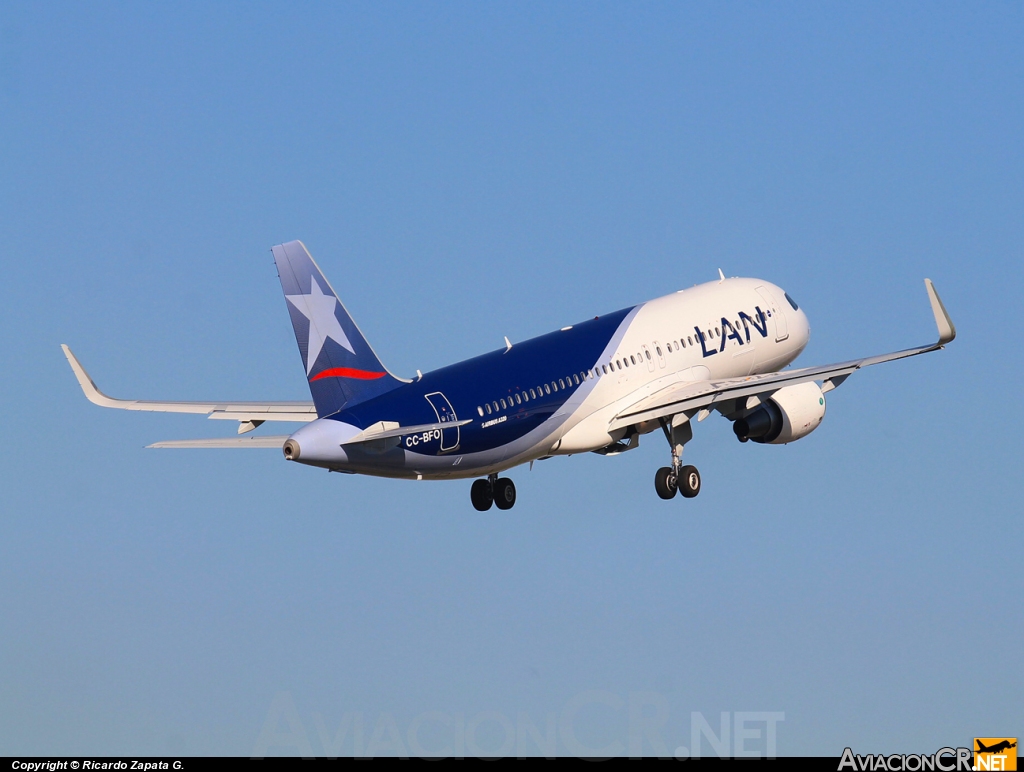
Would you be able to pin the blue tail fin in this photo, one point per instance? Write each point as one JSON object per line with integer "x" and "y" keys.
{"x": 341, "y": 368}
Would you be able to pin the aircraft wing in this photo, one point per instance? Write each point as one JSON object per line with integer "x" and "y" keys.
{"x": 248, "y": 414}
{"x": 691, "y": 396}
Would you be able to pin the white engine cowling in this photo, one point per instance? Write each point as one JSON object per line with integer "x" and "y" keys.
{"x": 789, "y": 414}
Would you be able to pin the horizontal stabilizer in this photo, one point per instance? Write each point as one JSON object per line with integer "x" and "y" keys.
{"x": 225, "y": 442}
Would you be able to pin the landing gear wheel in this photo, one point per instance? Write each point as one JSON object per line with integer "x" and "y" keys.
{"x": 504, "y": 493}
{"x": 665, "y": 482}
{"x": 689, "y": 481}
{"x": 482, "y": 495}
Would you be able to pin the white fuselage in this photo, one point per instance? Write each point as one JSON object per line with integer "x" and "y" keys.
{"x": 666, "y": 328}
{"x": 748, "y": 326}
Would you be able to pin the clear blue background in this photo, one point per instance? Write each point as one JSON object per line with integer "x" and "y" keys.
{"x": 463, "y": 172}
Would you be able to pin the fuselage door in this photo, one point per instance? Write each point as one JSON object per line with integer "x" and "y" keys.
{"x": 445, "y": 414}
{"x": 661, "y": 355}
{"x": 781, "y": 328}
{"x": 648, "y": 357}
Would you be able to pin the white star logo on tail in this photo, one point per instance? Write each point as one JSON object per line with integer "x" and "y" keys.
{"x": 323, "y": 324}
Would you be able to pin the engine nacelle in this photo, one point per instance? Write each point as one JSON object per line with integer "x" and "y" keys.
{"x": 789, "y": 414}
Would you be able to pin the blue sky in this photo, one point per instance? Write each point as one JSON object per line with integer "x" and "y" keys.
{"x": 463, "y": 172}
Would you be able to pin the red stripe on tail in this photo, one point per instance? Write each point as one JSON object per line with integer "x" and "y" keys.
{"x": 347, "y": 372}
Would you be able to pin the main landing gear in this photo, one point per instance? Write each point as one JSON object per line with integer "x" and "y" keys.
{"x": 497, "y": 490}
{"x": 677, "y": 478}
{"x": 686, "y": 481}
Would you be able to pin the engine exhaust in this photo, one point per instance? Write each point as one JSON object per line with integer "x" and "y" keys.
{"x": 291, "y": 450}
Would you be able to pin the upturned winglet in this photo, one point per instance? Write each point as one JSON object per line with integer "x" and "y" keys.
{"x": 92, "y": 392}
{"x": 947, "y": 331}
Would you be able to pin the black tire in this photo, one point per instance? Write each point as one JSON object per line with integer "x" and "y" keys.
{"x": 482, "y": 495}
{"x": 665, "y": 483}
{"x": 504, "y": 493}
{"x": 689, "y": 481}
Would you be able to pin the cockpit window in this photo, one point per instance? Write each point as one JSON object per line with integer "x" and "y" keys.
{"x": 791, "y": 302}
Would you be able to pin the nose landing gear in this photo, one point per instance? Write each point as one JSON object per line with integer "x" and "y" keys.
{"x": 494, "y": 490}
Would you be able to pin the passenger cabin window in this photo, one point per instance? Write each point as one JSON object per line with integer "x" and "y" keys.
{"x": 495, "y": 406}
{"x": 547, "y": 389}
{"x": 503, "y": 406}
{"x": 480, "y": 410}
{"x": 658, "y": 349}
{"x": 576, "y": 379}
{"x": 632, "y": 359}
{"x": 519, "y": 400}
{"x": 648, "y": 355}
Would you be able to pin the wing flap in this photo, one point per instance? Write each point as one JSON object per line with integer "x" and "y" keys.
{"x": 281, "y": 414}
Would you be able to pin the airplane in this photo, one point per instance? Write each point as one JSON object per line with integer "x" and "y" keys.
{"x": 999, "y": 746}
{"x": 595, "y": 386}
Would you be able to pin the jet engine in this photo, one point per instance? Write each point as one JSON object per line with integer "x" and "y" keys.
{"x": 789, "y": 414}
